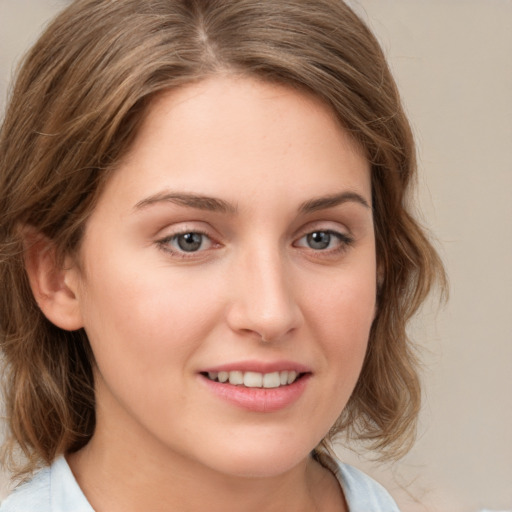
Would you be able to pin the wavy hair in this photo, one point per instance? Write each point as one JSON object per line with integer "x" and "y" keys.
{"x": 75, "y": 108}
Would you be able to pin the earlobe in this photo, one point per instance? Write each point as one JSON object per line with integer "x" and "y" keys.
{"x": 55, "y": 287}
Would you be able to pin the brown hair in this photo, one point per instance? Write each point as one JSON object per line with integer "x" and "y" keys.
{"x": 74, "y": 110}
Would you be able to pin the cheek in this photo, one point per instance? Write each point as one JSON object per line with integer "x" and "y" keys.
{"x": 143, "y": 318}
{"x": 340, "y": 319}
{"x": 342, "y": 315}
{"x": 345, "y": 300}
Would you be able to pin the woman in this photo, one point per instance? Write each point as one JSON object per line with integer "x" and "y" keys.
{"x": 209, "y": 258}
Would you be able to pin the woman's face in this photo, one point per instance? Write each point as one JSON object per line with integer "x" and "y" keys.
{"x": 234, "y": 242}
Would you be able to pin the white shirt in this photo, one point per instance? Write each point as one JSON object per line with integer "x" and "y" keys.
{"x": 54, "y": 489}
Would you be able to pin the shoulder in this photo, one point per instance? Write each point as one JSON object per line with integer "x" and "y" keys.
{"x": 361, "y": 491}
{"x": 32, "y": 495}
{"x": 53, "y": 489}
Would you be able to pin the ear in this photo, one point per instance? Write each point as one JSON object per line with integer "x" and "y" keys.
{"x": 55, "y": 287}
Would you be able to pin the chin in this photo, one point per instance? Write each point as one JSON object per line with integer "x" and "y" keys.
{"x": 259, "y": 459}
{"x": 262, "y": 467}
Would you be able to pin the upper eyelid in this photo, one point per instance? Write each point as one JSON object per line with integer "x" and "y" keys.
{"x": 343, "y": 237}
{"x": 323, "y": 225}
{"x": 183, "y": 227}
{"x": 206, "y": 229}
{"x": 172, "y": 236}
{"x": 186, "y": 231}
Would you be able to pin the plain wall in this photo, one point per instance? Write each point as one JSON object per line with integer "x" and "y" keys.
{"x": 453, "y": 62}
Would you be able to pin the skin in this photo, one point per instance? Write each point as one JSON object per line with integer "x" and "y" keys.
{"x": 255, "y": 290}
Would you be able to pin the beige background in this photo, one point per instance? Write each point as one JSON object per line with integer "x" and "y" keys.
{"x": 453, "y": 62}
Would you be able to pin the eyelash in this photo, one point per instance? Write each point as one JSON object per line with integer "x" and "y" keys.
{"x": 164, "y": 243}
{"x": 345, "y": 242}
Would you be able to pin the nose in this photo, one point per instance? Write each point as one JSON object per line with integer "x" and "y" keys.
{"x": 264, "y": 302}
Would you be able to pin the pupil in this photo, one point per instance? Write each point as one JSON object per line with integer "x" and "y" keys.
{"x": 319, "y": 240}
{"x": 190, "y": 242}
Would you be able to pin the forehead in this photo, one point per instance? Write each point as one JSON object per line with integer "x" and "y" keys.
{"x": 227, "y": 136}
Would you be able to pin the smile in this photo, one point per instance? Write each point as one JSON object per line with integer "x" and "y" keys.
{"x": 255, "y": 379}
{"x": 266, "y": 391}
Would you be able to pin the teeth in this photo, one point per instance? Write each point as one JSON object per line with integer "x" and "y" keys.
{"x": 291, "y": 376}
{"x": 271, "y": 380}
{"x": 236, "y": 378}
{"x": 255, "y": 379}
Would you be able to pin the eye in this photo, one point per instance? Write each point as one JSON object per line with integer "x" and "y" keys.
{"x": 189, "y": 242}
{"x": 324, "y": 240}
{"x": 319, "y": 240}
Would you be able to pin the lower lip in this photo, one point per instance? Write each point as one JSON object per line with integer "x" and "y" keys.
{"x": 259, "y": 399}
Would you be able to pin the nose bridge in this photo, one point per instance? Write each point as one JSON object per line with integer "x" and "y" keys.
{"x": 265, "y": 302}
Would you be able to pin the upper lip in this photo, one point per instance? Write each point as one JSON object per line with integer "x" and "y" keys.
{"x": 259, "y": 367}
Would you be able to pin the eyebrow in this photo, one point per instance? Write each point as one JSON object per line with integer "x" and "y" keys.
{"x": 214, "y": 204}
{"x": 197, "y": 201}
{"x": 322, "y": 203}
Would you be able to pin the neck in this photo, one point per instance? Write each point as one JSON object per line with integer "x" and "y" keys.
{"x": 121, "y": 478}
{"x": 126, "y": 468}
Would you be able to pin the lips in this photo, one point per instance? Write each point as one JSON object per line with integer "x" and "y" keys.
{"x": 258, "y": 387}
